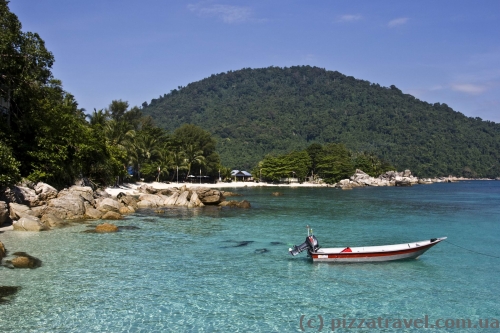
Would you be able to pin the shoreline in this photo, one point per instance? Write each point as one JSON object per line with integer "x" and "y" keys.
{"x": 132, "y": 188}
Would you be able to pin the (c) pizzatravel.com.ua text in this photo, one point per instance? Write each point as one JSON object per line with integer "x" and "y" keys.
{"x": 318, "y": 323}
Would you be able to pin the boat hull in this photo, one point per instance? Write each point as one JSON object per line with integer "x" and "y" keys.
{"x": 375, "y": 253}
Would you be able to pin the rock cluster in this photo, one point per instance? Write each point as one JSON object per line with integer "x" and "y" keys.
{"x": 390, "y": 178}
{"x": 186, "y": 197}
{"x": 40, "y": 207}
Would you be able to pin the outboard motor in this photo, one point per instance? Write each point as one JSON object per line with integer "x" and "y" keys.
{"x": 311, "y": 245}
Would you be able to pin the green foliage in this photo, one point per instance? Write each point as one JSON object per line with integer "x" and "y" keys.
{"x": 293, "y": 165}
{"x": 58, "y": 139}
{"x": 331, "y": 163}
{"x": 256, "y": 112}
{"x": 117, "y": 109}
{"x": 198, "y": 146}
{"x": 371, "y": 164}
{"x": 225, "y": 173}
{"x": 9, "y": 167}
{"x": 335, "y": 163}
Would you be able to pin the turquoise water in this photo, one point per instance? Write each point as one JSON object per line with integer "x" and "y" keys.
{"x": 182, "y": 271}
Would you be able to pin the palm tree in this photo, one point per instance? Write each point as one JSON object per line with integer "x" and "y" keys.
{"x": 165, "y": 159}
{"x": 141, "y": 149}
{"x": 178, "y": 161}
{"x": 118, "y": 132}
{"x": 193, "y": 156}
{"x": 225, "y": 173}
{"x": 97, "y": 118}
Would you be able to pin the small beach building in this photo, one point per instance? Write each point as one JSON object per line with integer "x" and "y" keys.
{"x": 241, "y": 176}
{"x": 289, "y": 180}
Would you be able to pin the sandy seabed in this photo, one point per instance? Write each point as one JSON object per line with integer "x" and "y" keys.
{"x": 131, "y": 188}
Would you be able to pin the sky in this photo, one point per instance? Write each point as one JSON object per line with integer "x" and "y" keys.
{"x": 438, "y": 51}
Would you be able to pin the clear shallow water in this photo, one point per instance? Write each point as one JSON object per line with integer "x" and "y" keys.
{"x": 182, "y": 271}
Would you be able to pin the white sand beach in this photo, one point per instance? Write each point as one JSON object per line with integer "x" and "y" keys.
{"x": 131, "y": 188}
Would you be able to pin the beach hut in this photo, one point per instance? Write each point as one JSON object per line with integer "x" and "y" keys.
{"x": 242, "y": 176}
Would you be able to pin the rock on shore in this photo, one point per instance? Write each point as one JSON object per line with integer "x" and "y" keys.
{"x": 390, "y": 178}
{"x": 41, "y": 207}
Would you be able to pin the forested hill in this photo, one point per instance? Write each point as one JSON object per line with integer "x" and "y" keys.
{"x": 253, "y": 112}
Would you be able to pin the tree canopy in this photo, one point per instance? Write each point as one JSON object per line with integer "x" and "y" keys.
{"x": 330, "y": 163}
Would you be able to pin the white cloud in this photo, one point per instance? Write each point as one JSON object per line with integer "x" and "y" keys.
{"x": 397, "y": 22}
{"x": 468, "y": 88}
{"x": 349, "y": 18}
{"x": 227, "y": 13}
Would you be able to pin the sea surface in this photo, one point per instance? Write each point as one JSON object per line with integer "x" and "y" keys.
{"x": 229, "y": 270}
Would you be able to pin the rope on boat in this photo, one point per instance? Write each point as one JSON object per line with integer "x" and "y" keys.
{"x": 484, "y": 254}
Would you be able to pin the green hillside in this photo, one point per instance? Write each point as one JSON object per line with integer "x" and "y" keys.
{"x": 254, "y": 112}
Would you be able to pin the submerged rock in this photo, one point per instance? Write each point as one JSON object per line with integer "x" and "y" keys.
{"x": 24, "y": 260}
{"x": 230, "y": 194}
{"x": 128, "y": 227}
{"x": 243, "y": 243}
{"x": 239, "y": 243}
{"x": 238, "y": 204}
{"x": 6, "y": 292}
{"x": 106, "y": 227}
{"x": 3, "y": 251}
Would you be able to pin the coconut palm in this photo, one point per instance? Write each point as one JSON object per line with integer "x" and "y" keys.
{"x": 141, "y": 149}
{"x": 193, "y": 156}
{"x": 178, "y": 162}
{"x": 118, "y": 132}
{"x": 165, "y": 160}
{"x": 97, "y": 118}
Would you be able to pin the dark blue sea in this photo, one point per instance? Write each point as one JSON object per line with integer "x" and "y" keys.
{"x": 228, "y": 270}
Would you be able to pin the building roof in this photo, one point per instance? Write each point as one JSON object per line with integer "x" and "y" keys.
{"x": 239, "y": 173}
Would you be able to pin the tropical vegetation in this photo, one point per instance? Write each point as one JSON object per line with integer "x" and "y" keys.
{"x": 255, "y": 112}
{"x": 329, "y": 163}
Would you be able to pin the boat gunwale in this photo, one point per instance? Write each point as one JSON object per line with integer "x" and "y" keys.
{"x": 357, "y": 253}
